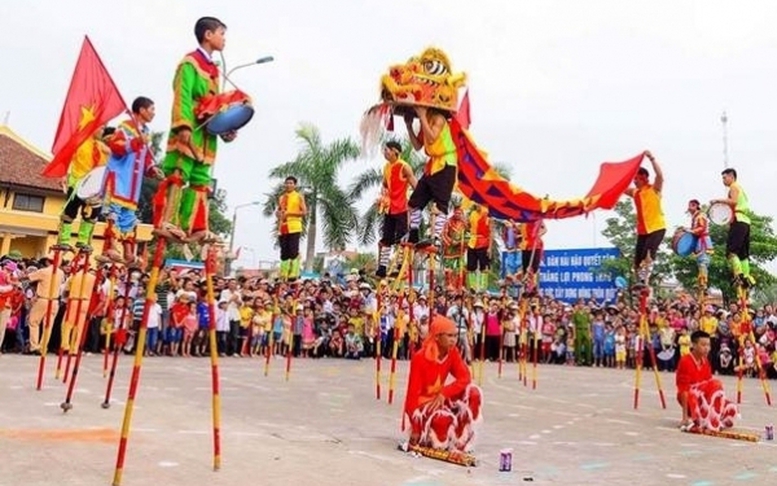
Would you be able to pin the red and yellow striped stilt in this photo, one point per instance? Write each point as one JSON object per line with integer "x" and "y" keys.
{"x": 135, "y": 378}
{"x": 52, "y": 294}
{"x": 210, "y": 271}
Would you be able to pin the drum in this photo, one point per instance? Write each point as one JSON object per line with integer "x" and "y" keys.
{"x": 90, "y": 188}
{"x": 225, "y": 112}
{"x": 683, "y": 243}
{"x": 720, "y": 213}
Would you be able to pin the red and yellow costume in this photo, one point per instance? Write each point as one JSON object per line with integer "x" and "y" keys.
{"x": 478, "y": 261}
{"x": 289, "y": 235}
{"x": 453, "y": 238}
{"x": 182, "y": 199}
{"x": 451, "y": 426}
{"x": 707, "y": 404}
{"x": 393, "y": 205}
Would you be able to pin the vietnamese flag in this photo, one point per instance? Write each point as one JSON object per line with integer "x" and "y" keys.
{"x": 91, "y": 102}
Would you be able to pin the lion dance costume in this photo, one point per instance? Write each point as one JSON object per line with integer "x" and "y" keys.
{"x": 451, "y": 427}
{"x": 707, "y": 404}
{"x": 424, "y": 81}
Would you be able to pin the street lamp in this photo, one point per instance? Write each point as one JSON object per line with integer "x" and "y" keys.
{"x": 261, "y": 60}
{"x": 232, "y": 234}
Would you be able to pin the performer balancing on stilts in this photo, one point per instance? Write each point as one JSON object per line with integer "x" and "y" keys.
{"x": 436, "y": 184}
{"x": 703, "y": 248}
{"x": 130, "y": 159}
{"x": 531, "y": 254}
{"x": 453, "y": 240}
{"x": 738, "y": 242}
{"x": 398, "y": 177}
{"x": 91, "y": 154}
{"x": 511, "y": 238}
{"x": 291, "y": 210}
{"x": 181, "y": 202}
{"x": 479, "y": 249}
{"x": 651, "y": 225}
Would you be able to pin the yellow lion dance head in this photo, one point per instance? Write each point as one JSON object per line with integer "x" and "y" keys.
{"x": 425, "y": 80}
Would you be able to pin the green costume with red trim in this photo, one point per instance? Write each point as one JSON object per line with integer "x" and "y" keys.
{"x": 182, "y": 199}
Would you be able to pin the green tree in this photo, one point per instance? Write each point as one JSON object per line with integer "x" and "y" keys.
{"x": 763, "y": 249}
{"x": 621, "y": 232}
{"x": 316, "y": 168}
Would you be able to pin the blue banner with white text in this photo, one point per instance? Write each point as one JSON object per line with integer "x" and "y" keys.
{"x": 568, "y": 275}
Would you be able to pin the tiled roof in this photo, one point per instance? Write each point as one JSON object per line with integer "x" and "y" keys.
{"x": 21, "y": 163}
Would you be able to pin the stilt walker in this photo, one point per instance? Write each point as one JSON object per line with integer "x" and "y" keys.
{"x": 453, "y": 246}
{"x": 478, "y": 249}
{"x": 736, "y": 211}
{"x": 119, "y": 340}
{"x": 52, "y": 307}
{"x": 92, "y": 100}
{"x": 199, "y": 117}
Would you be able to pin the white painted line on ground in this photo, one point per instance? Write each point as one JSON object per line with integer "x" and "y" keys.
{"x": 622, "y": 422}
{"x": 194, "y": 432}
{"x": 167, "y": 464}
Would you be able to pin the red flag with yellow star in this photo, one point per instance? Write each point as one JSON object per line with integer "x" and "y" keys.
{"x": 91, "y": 102}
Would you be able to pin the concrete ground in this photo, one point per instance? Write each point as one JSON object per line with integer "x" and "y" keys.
{"x": 325, "y": 427}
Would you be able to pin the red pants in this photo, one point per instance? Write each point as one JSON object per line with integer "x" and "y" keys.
{"x": 708, "y": 406}
{"x": 450, "y": 427}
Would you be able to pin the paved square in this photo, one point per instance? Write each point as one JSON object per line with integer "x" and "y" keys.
{"x": 325, "y": 427}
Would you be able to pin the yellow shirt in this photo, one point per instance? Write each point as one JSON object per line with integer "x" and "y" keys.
{"x": 358, "y": 324}
{"x": 246, "y": 314}
{"x": 709, "y": 325}
{"x": 92, "y": 153}
{"x": 265, "y": 319}
{"x": 441, "y": 152}
{"x": 650, "y": 215}
{"x": 291, "y": 202}
{"x": 479, "y": 230}
{"x": 685, "y": 344}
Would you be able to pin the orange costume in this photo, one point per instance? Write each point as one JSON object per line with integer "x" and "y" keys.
{"x": 451, "y": 426}
{"x": 707, "y": 403}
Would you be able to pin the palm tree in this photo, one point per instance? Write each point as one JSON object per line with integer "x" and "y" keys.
{"x": 373, "y": 178}
{"x": 316, "y": 168}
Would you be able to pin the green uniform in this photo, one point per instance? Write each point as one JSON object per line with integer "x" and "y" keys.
{"x": 188, "y": 166}
{"x": 583, "y": 346}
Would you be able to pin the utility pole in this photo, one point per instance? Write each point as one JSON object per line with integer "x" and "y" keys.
{"x": 724, "y": 121}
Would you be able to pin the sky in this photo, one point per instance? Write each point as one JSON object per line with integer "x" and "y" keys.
{"x": 556, "y": 87}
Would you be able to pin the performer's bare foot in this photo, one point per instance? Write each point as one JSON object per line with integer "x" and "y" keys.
{"x": 170, "y": 232}
{"x": 204, "y": 237}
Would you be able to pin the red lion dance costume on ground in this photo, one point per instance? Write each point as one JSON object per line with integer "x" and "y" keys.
{"x": 448, "y": 425}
